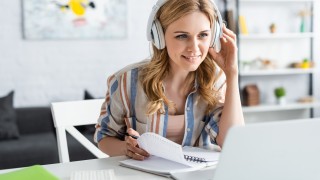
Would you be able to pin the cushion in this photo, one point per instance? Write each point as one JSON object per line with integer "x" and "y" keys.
{"x": 29, "y": 149}
{"x": 8, "y": 125}
{"x": 87, "y": 95}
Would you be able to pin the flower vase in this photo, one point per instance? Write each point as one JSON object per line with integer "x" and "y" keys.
{"x": 281, "y": 100}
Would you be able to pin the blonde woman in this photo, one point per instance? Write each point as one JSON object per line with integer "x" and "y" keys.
{"x": 187, "y": 92}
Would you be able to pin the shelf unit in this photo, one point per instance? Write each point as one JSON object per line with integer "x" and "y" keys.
{"x": 261, "y": 41}
{"x": 276, "y": 36}
{"x": 274, "y": 1}
{"x": 273, "y": 107}
{"x": 275, "y": 72}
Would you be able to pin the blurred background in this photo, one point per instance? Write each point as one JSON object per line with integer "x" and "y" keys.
{"x": 62, "y": 50}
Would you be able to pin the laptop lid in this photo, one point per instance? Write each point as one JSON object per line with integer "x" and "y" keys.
{"x": 286, "y": 150}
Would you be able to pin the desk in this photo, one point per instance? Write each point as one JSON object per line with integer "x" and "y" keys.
{"x": 63, "y": 170}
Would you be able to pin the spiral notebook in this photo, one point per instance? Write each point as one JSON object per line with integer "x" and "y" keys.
{"x": 168, "y": 156}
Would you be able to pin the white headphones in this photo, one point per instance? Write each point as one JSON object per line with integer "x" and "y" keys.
{"x": 155, "y": 32}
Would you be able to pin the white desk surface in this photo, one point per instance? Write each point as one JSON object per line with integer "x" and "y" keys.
{"x": 63, "y": 170}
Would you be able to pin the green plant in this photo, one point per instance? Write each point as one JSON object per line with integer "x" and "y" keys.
{"x": 279, "y": 92}
{"x": 305, "y": 60}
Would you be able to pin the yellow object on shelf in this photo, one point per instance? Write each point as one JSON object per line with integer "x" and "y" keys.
{"x": 243, "y": 25}
{"x": 305, "y": 65}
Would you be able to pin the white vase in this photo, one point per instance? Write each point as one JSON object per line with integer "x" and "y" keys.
{"x": 281, "y": 100}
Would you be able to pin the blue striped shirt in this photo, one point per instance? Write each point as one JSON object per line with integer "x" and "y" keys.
{"x": 125, "y": 107}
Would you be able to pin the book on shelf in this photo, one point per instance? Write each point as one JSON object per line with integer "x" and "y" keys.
{"x": 167, "y": 156}
{"x": 243, "y": 25}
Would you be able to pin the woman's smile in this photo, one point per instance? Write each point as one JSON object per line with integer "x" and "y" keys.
{"x": 192, "y": 59}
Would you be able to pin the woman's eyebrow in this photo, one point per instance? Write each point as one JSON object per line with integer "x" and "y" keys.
{"x": 184, "y": 32}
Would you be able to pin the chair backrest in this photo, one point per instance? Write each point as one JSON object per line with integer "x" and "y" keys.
{"x": 68, "y": 114}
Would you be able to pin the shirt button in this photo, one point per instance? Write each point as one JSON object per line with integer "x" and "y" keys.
{"x": 188, "y": 109}
{"x": 188, "y": 129}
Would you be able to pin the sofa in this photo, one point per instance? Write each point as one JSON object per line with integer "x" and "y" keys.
{"x": 37, "y": 143}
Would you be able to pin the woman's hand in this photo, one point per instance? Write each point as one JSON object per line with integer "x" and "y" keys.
{"x": 226, "y": 59}
{"x": 133, "y": 150}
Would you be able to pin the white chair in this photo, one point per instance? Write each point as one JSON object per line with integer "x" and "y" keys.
{"x": 68, "y": 114}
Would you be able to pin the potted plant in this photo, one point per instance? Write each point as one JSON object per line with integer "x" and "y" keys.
{"x": 305, "y": 63}
{"x": 280, "y": 94}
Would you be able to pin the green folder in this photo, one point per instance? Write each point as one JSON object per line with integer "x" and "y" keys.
{"x": 35, "y": 172}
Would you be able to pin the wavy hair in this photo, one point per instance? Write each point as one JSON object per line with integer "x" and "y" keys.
{"x": 157, "y": 69}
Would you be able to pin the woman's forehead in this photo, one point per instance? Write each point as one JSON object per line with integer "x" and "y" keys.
{"x": 192, "y": 22}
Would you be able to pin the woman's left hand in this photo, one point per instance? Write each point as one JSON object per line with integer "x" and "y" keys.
{"x": 226, "y": 59}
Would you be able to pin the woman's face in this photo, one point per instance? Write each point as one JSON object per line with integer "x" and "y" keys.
{"x": 187, "y": 41}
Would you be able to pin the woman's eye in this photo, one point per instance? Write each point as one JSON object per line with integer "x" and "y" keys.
{"x": 203, "y": 35}
{"x": 182, "y": 36}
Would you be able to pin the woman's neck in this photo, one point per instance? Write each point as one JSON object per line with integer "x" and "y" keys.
{"x": 177, "y": 89}
{"x": 176, "y": 82}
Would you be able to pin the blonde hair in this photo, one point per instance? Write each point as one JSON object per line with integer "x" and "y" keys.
{"x": 154, "y": 72}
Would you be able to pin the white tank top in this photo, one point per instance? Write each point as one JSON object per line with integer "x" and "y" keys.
{"x": 175, "y": 128}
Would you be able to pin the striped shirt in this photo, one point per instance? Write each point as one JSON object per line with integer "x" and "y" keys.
{"x": 125, "y": 107}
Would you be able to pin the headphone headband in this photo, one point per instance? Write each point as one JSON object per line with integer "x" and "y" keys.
{"x": 152, "y": 17}
{"x": 217, "y": 27}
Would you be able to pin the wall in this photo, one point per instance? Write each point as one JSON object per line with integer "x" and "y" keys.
{"x": 43, "y": 71}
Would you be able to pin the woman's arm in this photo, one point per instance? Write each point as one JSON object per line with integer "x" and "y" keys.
{"x": 112, "y": 146}
{"x": 116, "y": 147}
{"x": 232, "y": 111}
{"x": 227, "y": 60}
{"x": 111, "y": 121}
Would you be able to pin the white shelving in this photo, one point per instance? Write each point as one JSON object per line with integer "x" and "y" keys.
{"x": 285, "y": 46}
{"x": 275, "y": 107}
{"x": 273, "y": 72}
{"x": 273, "y": 1}
{"x": 276, "y": 36}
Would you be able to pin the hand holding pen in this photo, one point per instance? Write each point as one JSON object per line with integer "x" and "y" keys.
{"x": 131, "y": 135}
{"x": 133, "y": 151}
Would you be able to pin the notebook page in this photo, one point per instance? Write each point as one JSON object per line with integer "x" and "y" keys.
{"x": 161, "y": 147}
{"x": 156, "y": 165}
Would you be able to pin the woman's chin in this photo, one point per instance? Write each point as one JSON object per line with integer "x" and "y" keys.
{"x": 192, "y": 64}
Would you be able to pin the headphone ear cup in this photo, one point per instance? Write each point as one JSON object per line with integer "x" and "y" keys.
{"x": 157, "y": 35}
{"x": 216, "y": 34}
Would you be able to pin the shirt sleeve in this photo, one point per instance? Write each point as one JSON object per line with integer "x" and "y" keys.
{"x": 212, "y": 127}
{"x": 111, "y": 119}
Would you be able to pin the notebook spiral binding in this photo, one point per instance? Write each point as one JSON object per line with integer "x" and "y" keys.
{"x": 194, "y": 159}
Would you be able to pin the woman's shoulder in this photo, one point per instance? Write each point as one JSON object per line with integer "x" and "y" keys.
{"x": 131, "y": 67}
{"x": 127, "y": 70}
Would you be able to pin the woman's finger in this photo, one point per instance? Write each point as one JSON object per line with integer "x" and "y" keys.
{"x": 132, "y": 132}
{"x": 136, "y": 153}
{"x": 138, "y": 150}
{"x": 229, "y": 39}
{"x": 230, "y": 33}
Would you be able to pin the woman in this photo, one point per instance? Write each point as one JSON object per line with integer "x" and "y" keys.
{"x": 187, "y": 92}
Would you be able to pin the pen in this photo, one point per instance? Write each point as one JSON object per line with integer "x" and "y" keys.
{"x": 133, "y": 136}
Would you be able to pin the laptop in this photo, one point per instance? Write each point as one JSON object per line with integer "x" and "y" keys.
{"x": 285, "y": 150}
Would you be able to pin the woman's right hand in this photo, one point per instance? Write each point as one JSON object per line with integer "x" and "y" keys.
{"x": 133, "y": 151}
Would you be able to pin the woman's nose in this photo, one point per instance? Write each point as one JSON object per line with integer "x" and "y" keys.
{"x": 193, "y": 44}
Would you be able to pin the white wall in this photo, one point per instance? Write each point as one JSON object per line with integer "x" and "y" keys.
{"x": 41, "y": 72}
{"x": 44, "y": 71}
